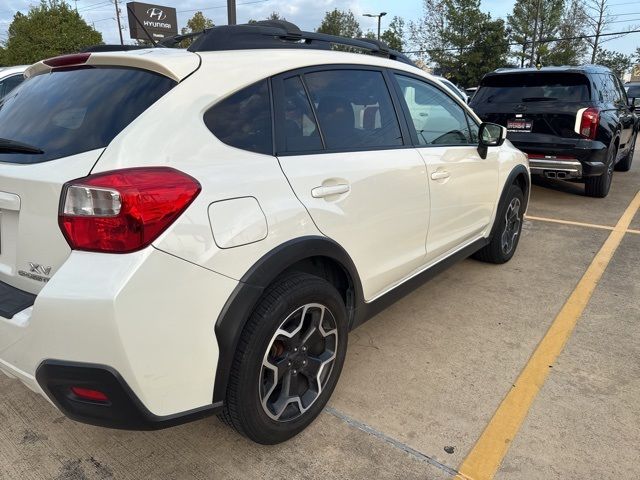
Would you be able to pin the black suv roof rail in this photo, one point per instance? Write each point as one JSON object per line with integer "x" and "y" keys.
{"x": 283, "y": 34}
{"x": 587, "y": 68}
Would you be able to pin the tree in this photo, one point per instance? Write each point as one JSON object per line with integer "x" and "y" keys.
{"x": 394, "y": 35}
{"x": 272, "y": 16}
{"x": 48, "y": 29}
{"x": 341, "y": 23}
{"x": 197, "y": 23}
{"x": 599, "y": 20}
{"x": 637, "y": 55}
{"x": 426, "y": 34}
{"x": 572, "y": 49}
{"x": 616, "y": 61}
{"x": 520, "y": 23}
{"x": 465, "y": 43}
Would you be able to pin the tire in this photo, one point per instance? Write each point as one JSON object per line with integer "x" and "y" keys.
{"x": 504, "y": 241}
{"x": 624, "y": 165}
{"x": 598, "y": 187}
{"x": 272, "y": 346}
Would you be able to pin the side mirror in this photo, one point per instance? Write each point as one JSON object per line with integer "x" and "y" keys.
{"x": 491, "y": 135}
{"x": 632, "y": 103}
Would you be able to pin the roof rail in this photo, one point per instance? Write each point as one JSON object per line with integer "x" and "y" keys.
{"x": 283, "y": 34}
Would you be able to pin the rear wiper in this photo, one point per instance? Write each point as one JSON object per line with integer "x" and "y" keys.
{"x": 538, "y": 99}
{"x": 12, "y": 146}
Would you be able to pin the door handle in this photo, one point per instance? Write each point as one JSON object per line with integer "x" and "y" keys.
{"x": 325, "y": 191}
{"x": 440, "y": 175}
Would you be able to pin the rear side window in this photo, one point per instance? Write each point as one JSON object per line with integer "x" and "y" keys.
{"x": 354, "y": 109}
{"x": 533, "y": 87}
{"x": 70, "y": 111}
{"x": 243, "y": 120}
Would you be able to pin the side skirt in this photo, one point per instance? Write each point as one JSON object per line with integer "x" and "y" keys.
{"x": 367, "y": 310}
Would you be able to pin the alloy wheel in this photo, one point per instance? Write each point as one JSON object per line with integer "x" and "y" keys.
{"x": 512, "y": 226}
{"x": 298, "y": 362}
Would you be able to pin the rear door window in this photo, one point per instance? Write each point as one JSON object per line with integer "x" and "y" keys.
{"x": 354, "y": 109}
{"x": 533, "y": 87}
{"x": 243, "y": 120}
{"x": 300, "y": 130}
{"x": 70, "y": 111}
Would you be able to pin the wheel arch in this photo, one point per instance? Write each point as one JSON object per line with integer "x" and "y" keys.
{"x": 519, "y": 176}
{"x": 316, "y": 255}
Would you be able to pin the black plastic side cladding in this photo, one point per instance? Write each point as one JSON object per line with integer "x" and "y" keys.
{"x": 242, "y": 301}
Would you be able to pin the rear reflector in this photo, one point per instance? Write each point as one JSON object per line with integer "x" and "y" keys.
{"x": 67, "y": 60}
{"x": 123, "y": 210}
{"x": 89, "y": 394}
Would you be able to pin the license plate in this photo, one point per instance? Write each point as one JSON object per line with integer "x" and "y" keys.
{"x": 519, "y": 125}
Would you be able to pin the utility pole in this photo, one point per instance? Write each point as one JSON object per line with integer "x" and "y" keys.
{"x": 378, "y": 16}
{"x": 231, "y": 12}
{"x": 118, "y": 19}
{"x": 535, "y": 34}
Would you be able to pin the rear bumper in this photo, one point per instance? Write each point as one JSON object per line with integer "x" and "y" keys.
{"x": 123, "y": 409}
{"x": 148, "y": 317}
{"x": 555, "y": 168}
{"x": 562, "y": 157}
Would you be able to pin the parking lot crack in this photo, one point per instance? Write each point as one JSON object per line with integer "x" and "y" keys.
{"x": 391, "y": 441}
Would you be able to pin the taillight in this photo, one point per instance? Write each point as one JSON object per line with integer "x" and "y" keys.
{"x": 123, "y": 210}
{"x": 589, "y": 123}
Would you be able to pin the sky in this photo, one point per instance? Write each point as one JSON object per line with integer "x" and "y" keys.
{"x": 307, "y": 14}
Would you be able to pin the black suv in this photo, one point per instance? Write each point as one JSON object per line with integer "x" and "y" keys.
{"x": 575, "y": 123}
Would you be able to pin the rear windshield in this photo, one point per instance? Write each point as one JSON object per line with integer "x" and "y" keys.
{"x": 70, "y": 111}
{"x": 533, "y": 87}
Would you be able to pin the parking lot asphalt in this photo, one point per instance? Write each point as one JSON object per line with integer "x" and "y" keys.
{"x": 426, "y": 382}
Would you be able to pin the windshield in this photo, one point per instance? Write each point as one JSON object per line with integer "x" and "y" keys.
{"x": 70, "y": 111}
{"x": 533, "y": 87}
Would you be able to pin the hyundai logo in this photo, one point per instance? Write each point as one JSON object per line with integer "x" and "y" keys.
{"x": 156, "y": 13}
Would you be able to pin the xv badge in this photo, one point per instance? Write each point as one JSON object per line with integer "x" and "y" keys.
{"x": 39, "y": 269}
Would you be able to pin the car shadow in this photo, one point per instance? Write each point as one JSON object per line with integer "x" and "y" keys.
{"x": 558, "y": 185}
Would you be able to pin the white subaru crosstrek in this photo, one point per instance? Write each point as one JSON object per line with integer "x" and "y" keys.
{"x": 187, "y": 232}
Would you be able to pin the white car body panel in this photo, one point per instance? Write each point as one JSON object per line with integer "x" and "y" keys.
{"x": 462, "y": 202}
{"x": 386, "y": 246}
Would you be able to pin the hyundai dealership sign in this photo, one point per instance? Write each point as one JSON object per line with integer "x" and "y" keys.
{"x": 161, "y": 22}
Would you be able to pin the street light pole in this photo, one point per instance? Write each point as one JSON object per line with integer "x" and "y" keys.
{"x": 378, "y": 16}
{"x": 231, "y": 12}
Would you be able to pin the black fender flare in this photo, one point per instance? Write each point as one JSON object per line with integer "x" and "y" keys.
{"x": 242, "y": 301}
{"x": 511, "y": 178}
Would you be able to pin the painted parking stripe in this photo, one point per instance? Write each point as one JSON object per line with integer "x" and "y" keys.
{"x": 578, "y": 224}
{"x": 568, "y": 222}
{"x": 485, "y": 457}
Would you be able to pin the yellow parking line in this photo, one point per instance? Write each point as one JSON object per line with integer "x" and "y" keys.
{"x": 486, "y": 456}
{"x": 568, "y": 222}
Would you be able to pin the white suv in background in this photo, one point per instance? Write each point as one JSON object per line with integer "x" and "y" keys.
{"x": 10, "y": 78}
{"x": 195, "y": 232}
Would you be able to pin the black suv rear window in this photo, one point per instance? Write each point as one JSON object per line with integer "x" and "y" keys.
{"x": 70, "y": 111}
{"x": 533, "y": 87}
